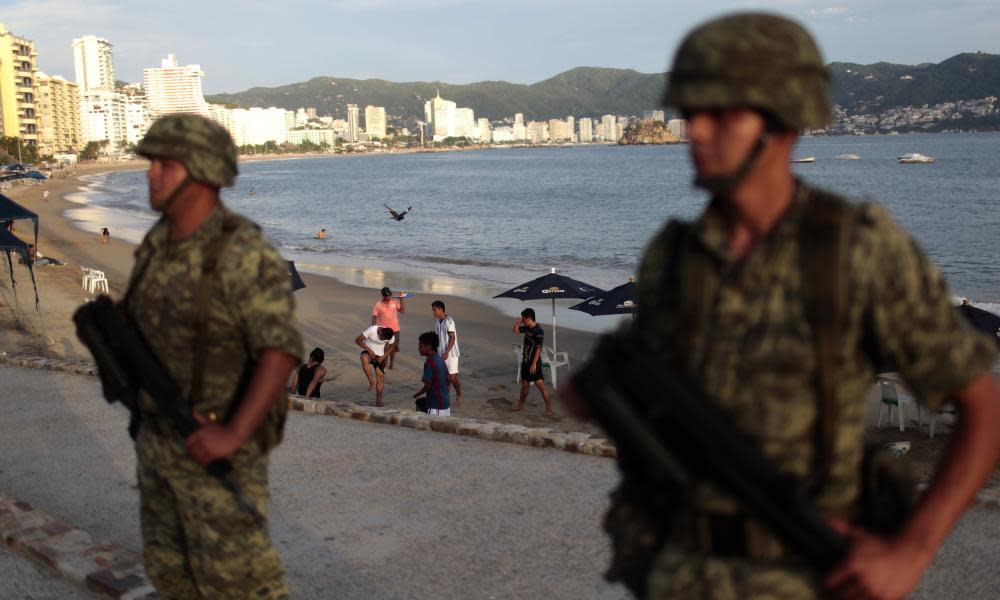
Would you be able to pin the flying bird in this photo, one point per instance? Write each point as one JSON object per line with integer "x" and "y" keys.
{"x": 398, "y": 216}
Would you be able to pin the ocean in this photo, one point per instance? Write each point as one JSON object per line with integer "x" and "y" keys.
{"x": 484, "y": 221}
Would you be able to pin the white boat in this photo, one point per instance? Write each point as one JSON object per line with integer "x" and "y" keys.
{"x": 806, "y": 159}
{"x": 914, "y": 158}
{"x": 848, "y": 157}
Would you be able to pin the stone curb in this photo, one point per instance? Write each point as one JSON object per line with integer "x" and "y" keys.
{"x": 106, "y": 569}
{"x": 538, "y": 437}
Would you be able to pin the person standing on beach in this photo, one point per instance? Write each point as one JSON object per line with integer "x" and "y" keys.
{"x": 447, "y": 334}
{"x": 531, "y": 358}
{"x": 386, "y": 313}
{"x": 435, "y": 377}
{"x": 308, "y": 378}
{"x": 374, "y": 353}
{"x": 213, "y": 300}
{"x": 45, "y": 196}
{"x": 775, "y": 306}
{"x": 105, "y": 236}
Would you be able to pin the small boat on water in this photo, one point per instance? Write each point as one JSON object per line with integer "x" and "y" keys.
{"x": 848, "y": 157}
{"x": 805, "y": 159}
{"x": 914, "y": 158}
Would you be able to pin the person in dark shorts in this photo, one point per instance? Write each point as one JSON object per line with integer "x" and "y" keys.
{"x": 531, "y": 359}
{"x": 374, "y": 351}
{"x": 386, "y": 313}
{"x": 307, "y": 380}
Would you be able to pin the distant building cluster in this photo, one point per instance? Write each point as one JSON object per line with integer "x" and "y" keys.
{"x": 909, "y": 118}
{"x": 58, "y": 117}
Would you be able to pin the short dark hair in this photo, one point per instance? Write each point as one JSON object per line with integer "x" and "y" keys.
{"x": 528, "y": 313}
{"x": 428, "y": 338}
{"x": 386, "y": 292}
{"x": 386, "y": 333}
{"x": 317, "y": 355}
{"x": 437, "y": 304}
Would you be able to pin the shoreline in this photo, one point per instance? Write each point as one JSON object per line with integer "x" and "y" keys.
{"x": 330, "y": 314}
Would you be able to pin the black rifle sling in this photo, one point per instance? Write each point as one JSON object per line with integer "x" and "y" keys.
{"x": 823, "y": 262}
{"x": 203, "y": 300}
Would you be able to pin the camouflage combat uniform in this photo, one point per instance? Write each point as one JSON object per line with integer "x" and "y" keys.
{"x": 197, "y": 542}
{"x": 751, "y": 351}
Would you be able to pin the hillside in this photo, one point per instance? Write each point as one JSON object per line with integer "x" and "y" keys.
{"x": 589, "y": 91}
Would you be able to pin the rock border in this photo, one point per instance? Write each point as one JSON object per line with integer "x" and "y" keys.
{"x": 537, "y": 437}
{"x": 105, "y": 569}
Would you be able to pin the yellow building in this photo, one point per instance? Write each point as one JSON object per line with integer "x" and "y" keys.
{"x": 18, "y": 117}
{"x": 58, "y": 110}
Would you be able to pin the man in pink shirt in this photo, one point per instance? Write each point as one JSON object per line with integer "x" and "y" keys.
{"x": 386, "y": 313}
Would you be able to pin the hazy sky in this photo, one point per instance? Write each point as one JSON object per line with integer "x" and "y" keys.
{"x": 254, "y": 42}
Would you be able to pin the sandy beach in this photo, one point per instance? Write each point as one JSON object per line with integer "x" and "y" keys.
{"x": 330, "y": 315}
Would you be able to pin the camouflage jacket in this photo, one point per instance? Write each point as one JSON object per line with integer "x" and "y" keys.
{"x": 250, "y": 310}
{"x": 752, "y": 352}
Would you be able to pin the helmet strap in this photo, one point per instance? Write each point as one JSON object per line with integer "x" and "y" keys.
{"x": 174, "y": 194}
{"x": 723, "y": 185}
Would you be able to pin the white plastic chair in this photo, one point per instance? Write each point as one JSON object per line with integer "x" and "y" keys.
{"x": 518, "y": 350}
{"x": 891, "y": 399}
{"x": 946, "y": 409}
{"x": 97, "y": 281}
{"x": 553, "y": 360}
{"x": 85, "y": 282}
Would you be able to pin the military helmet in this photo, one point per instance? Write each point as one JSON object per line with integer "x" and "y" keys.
{"x": 202, "y": 145}
{"x": 754, "y": 60}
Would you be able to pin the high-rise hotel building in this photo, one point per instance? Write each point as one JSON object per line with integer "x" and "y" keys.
{"x": 173, "y": 89}
{"x": 95, "y": 68}
{"x": 59, "y": 130}
{"x": 375, "y": 121}
{"x": 18, "y": 109}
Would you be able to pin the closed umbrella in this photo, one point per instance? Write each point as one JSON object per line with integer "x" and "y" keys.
{"x": 618, "y": 301}
{"x": 551, "y": 286}
{"x": 297, "y": 283}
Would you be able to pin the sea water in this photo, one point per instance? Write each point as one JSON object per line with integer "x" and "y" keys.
{"x": 484, "y": 221}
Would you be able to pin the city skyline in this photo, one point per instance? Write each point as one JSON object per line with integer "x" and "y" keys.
{"x": 466, "y": 40}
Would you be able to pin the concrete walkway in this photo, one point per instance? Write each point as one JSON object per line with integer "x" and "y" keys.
{"x": 359, "y": 510}
{"x": 362, "y": 510}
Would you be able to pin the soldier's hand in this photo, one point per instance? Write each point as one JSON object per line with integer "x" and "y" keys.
{"x": 211, "y": 441}
{"x": 875, "y": 567}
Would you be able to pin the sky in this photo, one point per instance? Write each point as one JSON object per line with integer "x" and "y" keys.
{"x": 267, "y": 43}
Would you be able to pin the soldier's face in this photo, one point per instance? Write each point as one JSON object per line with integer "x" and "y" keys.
{"x": 164, "y": 175}
{"x": 721, "y": 139}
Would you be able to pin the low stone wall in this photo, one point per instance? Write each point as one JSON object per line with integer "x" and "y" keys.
{"x": 106, "y": 569}
{"x": 539, "y": 437}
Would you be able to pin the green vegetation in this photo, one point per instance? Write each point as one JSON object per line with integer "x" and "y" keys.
{"x": 9, "y": 151}
{"x": 93, "y": 149}
{"x": 589, "y": 91}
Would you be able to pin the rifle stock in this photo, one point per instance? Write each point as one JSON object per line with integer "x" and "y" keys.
{"x": 688, "y": 439}
{"x": 125, "y": 362}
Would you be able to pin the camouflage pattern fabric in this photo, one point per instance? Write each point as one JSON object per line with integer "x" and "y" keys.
{"x": 751, "y": 351}
{"x": 752, "y": 60}
{"x": 251, "y": 310}
{"x": 197, "y": 542}
{"x": 202, "y": 145}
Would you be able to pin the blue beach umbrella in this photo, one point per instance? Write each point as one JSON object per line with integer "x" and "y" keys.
{"x": 618, "y": 301}
{"x": 550, "y": 287}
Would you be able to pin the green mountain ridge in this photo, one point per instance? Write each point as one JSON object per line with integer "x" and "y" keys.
{"x": 593, "y": 91}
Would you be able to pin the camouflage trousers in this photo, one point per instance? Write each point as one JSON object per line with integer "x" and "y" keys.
{"x": 197, "y": 542}
{"x": 678, "y": 573}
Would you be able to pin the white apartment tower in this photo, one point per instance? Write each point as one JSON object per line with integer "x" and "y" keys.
{"x": 95, "y": 69}
{"x": 610, "y": 128}
{"x": 586, "y": 130}
{"x": 375, "y": 121}
{"x": 172, "y": 89}
{"x": 439, "y": 115}
{"x": 353, "y": 123}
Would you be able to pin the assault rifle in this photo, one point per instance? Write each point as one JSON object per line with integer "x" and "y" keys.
{"x": 654, "y": 418}
{"x": 126, "y": 364}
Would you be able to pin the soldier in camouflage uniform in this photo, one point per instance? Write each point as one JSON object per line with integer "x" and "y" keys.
{"x": 725, "y": 299}
{"x": 233, "y": 330}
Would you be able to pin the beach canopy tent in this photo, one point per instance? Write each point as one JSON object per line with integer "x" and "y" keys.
{"x": 22, "y": 175}
{"x": 9, "y": 243}
{"x": 618, "y": 301}
{"x": 550, "y": 287}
